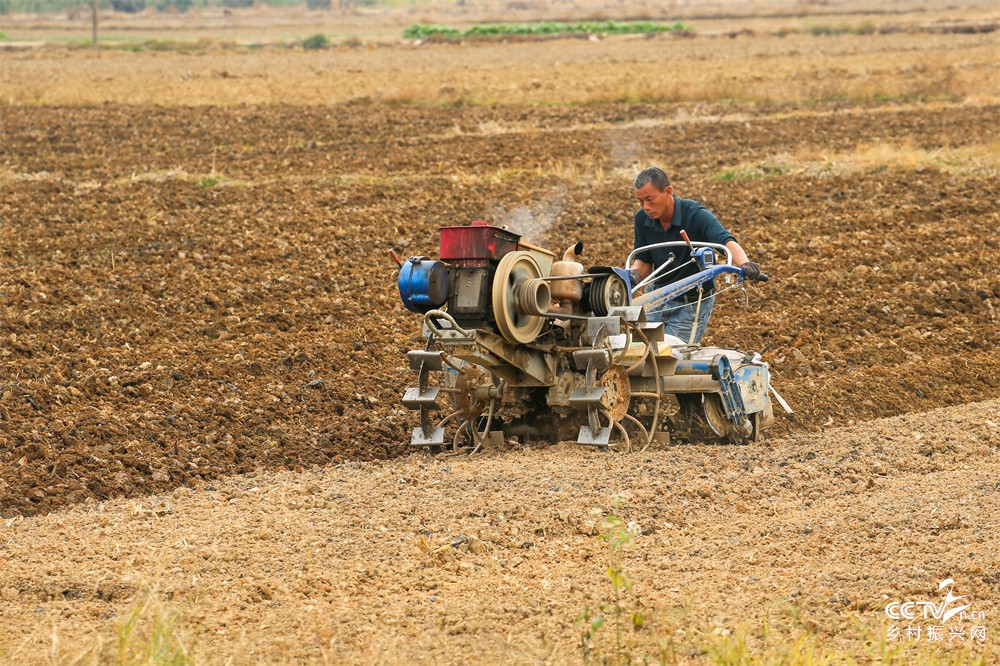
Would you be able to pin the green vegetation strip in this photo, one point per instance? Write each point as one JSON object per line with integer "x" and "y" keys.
{"x": 423, "y": 30}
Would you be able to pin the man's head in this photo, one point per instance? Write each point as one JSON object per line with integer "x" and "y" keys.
{"x": 652, "y": 189}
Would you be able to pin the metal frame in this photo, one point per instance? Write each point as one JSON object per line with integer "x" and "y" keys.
{"x": 656, "y": 272}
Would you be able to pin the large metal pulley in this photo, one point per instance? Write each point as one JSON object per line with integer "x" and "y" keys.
{"x": 520, "y": 297}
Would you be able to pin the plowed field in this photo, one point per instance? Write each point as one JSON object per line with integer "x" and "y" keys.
{"x": 194, "y": 292}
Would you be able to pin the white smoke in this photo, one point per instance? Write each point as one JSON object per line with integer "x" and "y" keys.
{"x": 625, "y": 150}
{"x": 624, "y": 153}
{"x": 532, "y": 222}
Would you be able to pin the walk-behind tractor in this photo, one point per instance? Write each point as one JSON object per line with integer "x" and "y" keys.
{"x": 521, "y": 344}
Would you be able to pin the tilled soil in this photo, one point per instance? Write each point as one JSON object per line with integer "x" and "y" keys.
{"x": 492, "y": 559}
{"x": 194, "y": 292}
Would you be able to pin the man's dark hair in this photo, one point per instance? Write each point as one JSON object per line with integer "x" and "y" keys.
{"x": 652, "y": 175}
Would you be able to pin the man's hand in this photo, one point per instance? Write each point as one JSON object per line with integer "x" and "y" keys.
{"x": 751, "y": 270}
{"x": 635, "y": 276}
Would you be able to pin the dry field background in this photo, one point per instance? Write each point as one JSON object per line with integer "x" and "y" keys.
{"x": 385, "y": 23}
{"x": 201, "y": 448}
{"x": 758, "y": 70}
{"x": 772, "y": 58}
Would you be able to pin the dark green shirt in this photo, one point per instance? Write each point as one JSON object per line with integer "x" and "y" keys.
{"x": 699, "y": 223}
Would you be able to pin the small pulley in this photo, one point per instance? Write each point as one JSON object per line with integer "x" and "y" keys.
{"x": 606, "y": 292}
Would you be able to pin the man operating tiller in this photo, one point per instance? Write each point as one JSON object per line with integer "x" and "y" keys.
{"x": 662, "y": 218}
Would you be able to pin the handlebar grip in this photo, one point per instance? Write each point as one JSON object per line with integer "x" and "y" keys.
{"x": 764, "y": 277}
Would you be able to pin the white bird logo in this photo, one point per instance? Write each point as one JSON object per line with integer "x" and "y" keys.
{"x": 940, "y": 611}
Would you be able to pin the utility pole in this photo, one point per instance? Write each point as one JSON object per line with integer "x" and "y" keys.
{"x": 93, "y": 14}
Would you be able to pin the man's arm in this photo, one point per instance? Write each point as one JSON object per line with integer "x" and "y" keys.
{"x": 642, "y": 268}
{"x": 751, "y": 270}
{"x": 739, "y": 256}
{"x": 713, "y": 231}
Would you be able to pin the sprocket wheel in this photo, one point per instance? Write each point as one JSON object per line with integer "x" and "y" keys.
{"x": 466, "y": 400}
{"x": 618, "y": 392}
{"x": 476, "y": 397}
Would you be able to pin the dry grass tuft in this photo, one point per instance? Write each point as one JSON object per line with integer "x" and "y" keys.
{"x": 980, "y": 160}
{"x": 149, "y": 633}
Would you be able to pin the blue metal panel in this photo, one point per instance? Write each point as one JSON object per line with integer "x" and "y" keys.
{"x": 703, "y": 367}
{"x": 753, "y": 381}
{"x": 624, "y": 275}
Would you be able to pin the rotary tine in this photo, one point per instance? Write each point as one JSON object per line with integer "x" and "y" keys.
{"x": 589, "y": 396}
{"x": 424, "y": 397}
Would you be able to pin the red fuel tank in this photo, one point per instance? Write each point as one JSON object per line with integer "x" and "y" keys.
{"x": 478, "y": 240}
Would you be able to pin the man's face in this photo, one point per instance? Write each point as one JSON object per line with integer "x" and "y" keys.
{"x": 653, "y": 201}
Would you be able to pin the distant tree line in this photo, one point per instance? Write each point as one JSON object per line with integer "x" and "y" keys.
{"x": 134, "y": 6}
